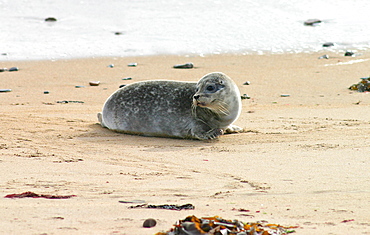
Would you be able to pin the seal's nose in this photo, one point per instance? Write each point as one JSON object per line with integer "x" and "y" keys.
{"x": 196, "y": 97}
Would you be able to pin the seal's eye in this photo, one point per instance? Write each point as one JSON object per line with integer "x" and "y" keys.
{"x": 211, "y": 88}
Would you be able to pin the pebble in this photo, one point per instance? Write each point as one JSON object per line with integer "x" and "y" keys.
{"x": 247, "y": 83}
{"x": 126, "y": 78}
{"x": 94, "y": 83}
{"x": 5, "y": 90}
{"x": 324, "y": 57}
{"x": 184, "y": 66}
{"x": 70, "y": 101}
{"x": 245, "y": 96}
{"x": 121, "y": 86}
{"x": 79, "y": 86}
{"x": 3, "y": 69}
{"x": 46, "y": 92}
{"x": 133, "y": 201}
{"x": 349, "y": 53}
{"x": 328, "y": 44}
{"x": 118, "y": 33}
{"x": 148, "y": 223}
{"x": 132, "y": 65}
{"x": 111, "y": 66}
{"x": 50, "y": 19}
{"x": 12, "y": 69}
{"x": 312, "y": 22}
{"x": 284, "y": 95}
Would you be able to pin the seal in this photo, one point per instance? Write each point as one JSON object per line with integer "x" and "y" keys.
{"x": 203, "y": 110}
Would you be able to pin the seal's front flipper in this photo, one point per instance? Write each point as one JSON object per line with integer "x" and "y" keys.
{"x": 202, "y": 134}
{"x": 213, "y": 134}
{"x": 233, "y": 129}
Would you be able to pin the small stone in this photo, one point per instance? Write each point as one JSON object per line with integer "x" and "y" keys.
{"x": 118, "y": 33}
{"x": 132, "y": 65}
{"x": 133, "y": 201}
{"x": 126, "y": 78}
{"x": 94, "y": 83}
{"x": 328, "y": 44}
{"x": 46, "y": 92}
{"x": 12, "y": 69}
{"x": 4, "y": 53}
{"x": 184, "y": 66}
{"x": 3, "y": 70}
{"x": 121, "y": 86}
{"x": 349, "y": 53}
{"x": 245, "y": 96}
{"x": 312, "y": 22}
{"x": 50, "y": 19}
{"x": 324, "y": 57}
{"x": 247, "y": 83}
{"x": 149, "y": 223}
{"x": 284, "y": 95}
{"x": 111, "y": 66}
{"x": 79, "y": 86}
{"x": 5, "y": 90}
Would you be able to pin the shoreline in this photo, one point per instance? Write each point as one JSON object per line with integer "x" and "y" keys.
{"x": 328, "y": 51}
{"x": 303, "y": 161}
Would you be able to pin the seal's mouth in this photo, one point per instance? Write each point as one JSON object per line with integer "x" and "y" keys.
{"x": 200, "y": 104}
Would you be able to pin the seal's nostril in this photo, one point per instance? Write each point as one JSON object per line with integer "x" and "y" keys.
{"x": 196, "y": 97}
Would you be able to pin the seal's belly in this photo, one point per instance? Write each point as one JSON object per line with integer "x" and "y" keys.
{"x": 154, "y": 108}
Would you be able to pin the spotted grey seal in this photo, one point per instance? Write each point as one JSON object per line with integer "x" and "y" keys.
{"x": 202, "y": 110}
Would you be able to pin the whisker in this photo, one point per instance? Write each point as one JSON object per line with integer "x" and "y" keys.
{"x": 222, "y": 107}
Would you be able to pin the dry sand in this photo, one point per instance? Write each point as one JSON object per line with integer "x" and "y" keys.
{"x": 303, "y": 162}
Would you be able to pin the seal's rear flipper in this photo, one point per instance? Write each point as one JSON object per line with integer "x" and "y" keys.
{"x": 233, "y": 129}
{"x": 100, "y": 118}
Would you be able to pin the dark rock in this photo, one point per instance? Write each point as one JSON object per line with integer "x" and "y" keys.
{"x": 3, "y": 70}
{"x": 118, "y": 33}
{"x": 206, "y": 227}
{"x": 50, "y": 19}
{"x": 121, "y": 86}
{"x": 328, "y": 44}
{"x": 184, "y": 66}
{"x": 247, "y": 83}
{"x": 46, "y": 92}
{"x": 126, "y": 78}
{"x": 149, "y": 223}
{"x": 111, "y": 66}
{"x": 79, "y": 86}
{"x": 245, "y": 96}
{"x": 312, "y": 22}
{"x": 12, "y": 69}
{"x": 349, "y": 53}
{"x": 362, "y": 86}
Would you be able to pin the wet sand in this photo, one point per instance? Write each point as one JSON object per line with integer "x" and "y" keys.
{"x": 304, "y": 160}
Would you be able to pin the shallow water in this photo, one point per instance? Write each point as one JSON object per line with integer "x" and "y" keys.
{"x": 89, "y": 28}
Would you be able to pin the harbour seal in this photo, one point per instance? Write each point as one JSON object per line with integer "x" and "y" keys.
{"x": 203, "y": 110}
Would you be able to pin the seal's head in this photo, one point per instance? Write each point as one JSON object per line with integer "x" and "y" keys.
{"x": 217, "y": 92}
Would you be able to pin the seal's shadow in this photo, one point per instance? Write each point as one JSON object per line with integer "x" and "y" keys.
{"x": 100, "y": 135}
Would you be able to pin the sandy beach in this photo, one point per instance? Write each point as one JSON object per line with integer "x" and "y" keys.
{"x": 303, "y": 160}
